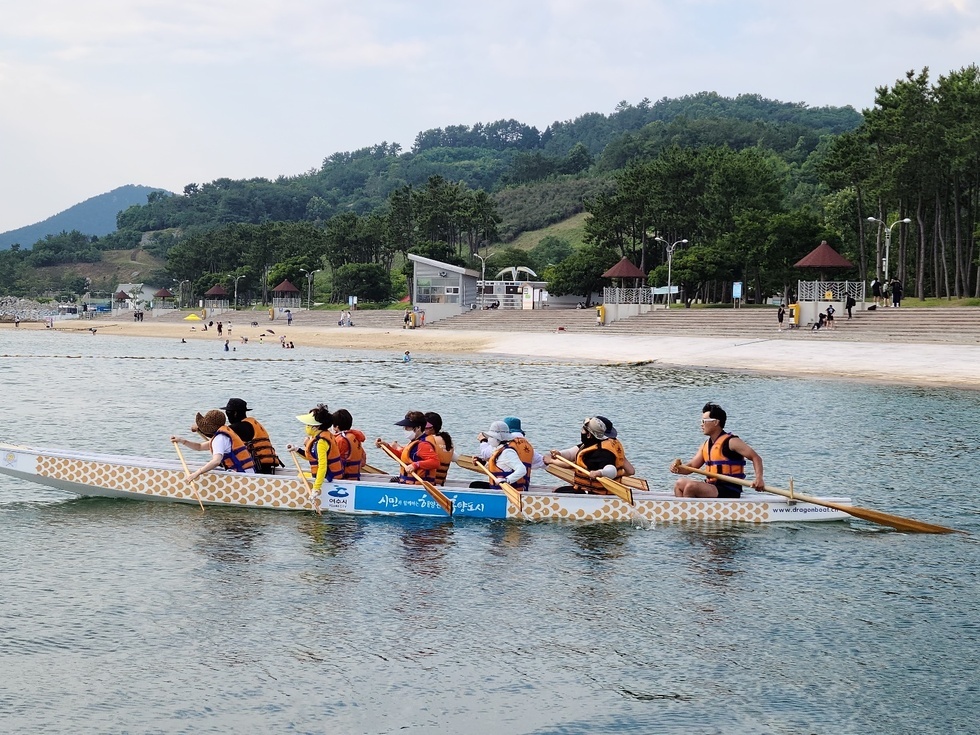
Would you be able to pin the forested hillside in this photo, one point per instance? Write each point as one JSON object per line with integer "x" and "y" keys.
{"x": 750, "y": 184}
{"x": 95, "y": 216}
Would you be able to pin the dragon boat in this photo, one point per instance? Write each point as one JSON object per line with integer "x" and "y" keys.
{"x": 91, "y": 474}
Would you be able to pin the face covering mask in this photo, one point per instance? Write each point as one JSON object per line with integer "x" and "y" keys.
{"x": 493, "y": 441}
{"x": 409, "y": 435}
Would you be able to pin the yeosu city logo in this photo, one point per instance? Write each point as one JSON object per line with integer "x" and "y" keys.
{"x": 339, "y": 492}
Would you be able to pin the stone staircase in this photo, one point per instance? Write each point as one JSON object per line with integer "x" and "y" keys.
{"x": 955, "y": 325}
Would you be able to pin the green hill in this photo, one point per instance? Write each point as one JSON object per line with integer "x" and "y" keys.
{"x": 95, "y": 216}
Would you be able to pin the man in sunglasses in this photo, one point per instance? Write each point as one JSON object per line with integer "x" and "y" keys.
{"x": 723, "y": 453}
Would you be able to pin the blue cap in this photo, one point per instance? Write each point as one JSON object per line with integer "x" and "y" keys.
{"x": 514, "y": 424}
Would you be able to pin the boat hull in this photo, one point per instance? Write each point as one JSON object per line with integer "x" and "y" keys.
{"x": 142, "y": 478}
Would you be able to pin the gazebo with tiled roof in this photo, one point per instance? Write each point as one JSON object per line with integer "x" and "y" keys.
{"x": 286, "y": 296}
{"x": 216, "y": 299}
{"x": 814, "y": 296}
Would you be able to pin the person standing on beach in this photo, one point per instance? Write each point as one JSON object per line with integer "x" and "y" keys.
{"x": 896, "y": 287}
{"x": 779, "y": 316}
{"x": 724, "y": 453}
{"x": 830, "y": 316}
{"x": 876, "y": 291}
{"x": 16, "y": 321}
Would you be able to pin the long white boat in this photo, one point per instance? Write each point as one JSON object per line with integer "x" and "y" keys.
{"x": 90, "y": 474}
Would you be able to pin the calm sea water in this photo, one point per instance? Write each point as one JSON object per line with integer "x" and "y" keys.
{"x": 135, "y": 617}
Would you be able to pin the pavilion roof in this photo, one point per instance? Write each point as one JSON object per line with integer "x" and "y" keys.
{"x": 824, "y": 256}
{"x": 624, "y": 269}
{"x": 216, "y": 290}
{"x": 285, "y": 287}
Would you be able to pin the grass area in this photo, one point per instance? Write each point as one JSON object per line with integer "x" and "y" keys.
{"x": 571, "y": 229}
{"x": 913, "y": 303}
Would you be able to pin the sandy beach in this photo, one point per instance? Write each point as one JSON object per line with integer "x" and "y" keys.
{"x": 900, "y": 363}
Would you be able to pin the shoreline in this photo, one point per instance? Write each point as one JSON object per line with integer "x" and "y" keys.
{"x": 905, "y": 363}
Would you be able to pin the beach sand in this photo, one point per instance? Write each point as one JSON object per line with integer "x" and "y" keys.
{"x": 899, "y": 363}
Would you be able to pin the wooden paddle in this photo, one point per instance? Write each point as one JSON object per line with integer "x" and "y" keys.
{"x": 187, "y": 474}
{"x": 314, "y": 498}
{"x": 512, "y": 493}
{"x": 875, "y": 516}
{"x": 616, "y": 488}
{"x": 371, "y": 470}
{"x": 437, "y": 495}
{"x": 468, "y": 462}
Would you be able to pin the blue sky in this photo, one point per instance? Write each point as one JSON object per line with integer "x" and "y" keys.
{"x": 97, "y": 94}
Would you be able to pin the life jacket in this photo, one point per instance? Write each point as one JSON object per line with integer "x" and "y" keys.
{"x": 583, "y": 483}
{"x": 724, "y": 460}
{"x": 239, "y": 459}
{"x": 352, "y": 455}
{"x": 334, "y": 467}
{"x": 261, "y": 446}
{"x": 524, "y": 451}
{"x": 445, "y": 460}
{"x": 410, "y": 455}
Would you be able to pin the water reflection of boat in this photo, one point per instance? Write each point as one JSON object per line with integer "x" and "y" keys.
{"x": 144, "y": 478}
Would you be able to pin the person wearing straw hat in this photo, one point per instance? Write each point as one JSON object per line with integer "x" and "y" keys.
{"x": 599, "y": 452}
{"x": 227, "y": 449}
{"x": 321, "y": 449}
{"x": 504, "y": 461}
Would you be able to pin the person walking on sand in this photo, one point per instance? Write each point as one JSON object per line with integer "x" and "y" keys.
{"x": 780, "y": 314}
{"x": 724, "y": 453}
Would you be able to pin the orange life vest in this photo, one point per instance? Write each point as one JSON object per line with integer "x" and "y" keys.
{"x": 352, "y": 455}
{"x": 261, "y": 446}
{"x": 445, "y": 458}
{"x": 724, "y": 460}
{"x": 239, "y": 459}
{"x": 410, "y": 455}
{"x": 590, "y": 484}
{"x": 334, "y": 467}
{"x": 525, "y": 452}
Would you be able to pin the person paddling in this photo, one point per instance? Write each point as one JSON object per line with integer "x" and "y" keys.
{"x": 599, "y": 452}
{"x": 504, "y": 461}
{"x": 724, "y": 453}
{"x": 226, "y": 447}
{"x": 417, "y": 454}
{"x": 254, "y": 435}
{"x": 321, "y": 449}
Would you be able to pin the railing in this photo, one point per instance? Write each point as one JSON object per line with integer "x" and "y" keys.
{"x": 830, "y": 290}
{"x": 611, "y": 295}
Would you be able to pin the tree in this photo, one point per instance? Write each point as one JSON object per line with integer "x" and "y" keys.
{"x": 550, "y": 250}
{"x": 581, "y": 273}
{"x": 366, "y": 281}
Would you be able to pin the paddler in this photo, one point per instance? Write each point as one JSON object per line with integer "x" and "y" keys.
{"x": 416, "y": 453}
{"x": 505, "y": 461}
{"x": 254, "y": 435}
{"x": 599, "y": 452}
{"x": 724, "y": 453}
{"x": 518, "y": 442}
{"x": 443, "y": 443}
{"x": 350, "y": 444}
{"x": 226, "y": 447}
{"x": 321, "y": 449}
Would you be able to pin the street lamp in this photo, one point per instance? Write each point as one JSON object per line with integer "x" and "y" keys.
{"x": 483, "y": 277}
{"x": 236, "y": 291}
{"x": 670, "y": 258}
{"x": 888, "y": 239}
{"x": 309, "y": 287}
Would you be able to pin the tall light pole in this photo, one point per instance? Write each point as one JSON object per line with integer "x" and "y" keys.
{"x": 483, "y": 278}
{"x": 670, "y": 258}
{"x": 888, "y": 239}
{"x": 236, "y": 291}
{"x": 309, "y": 286}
